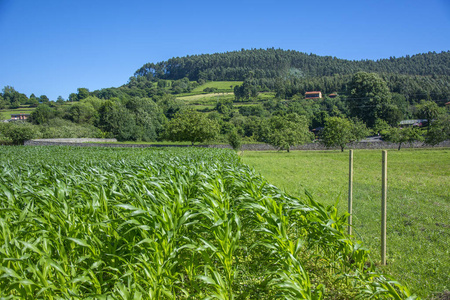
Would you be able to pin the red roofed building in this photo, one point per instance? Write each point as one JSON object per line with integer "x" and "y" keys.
{"x": 313, "y": 95}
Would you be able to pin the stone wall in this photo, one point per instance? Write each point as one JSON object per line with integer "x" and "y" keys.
{"x": 247, "y": 147}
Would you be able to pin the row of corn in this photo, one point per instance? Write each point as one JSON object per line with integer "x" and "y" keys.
{"x": 100, "y": 223}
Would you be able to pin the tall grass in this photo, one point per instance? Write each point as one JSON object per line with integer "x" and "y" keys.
{"x": 101, "y": 223}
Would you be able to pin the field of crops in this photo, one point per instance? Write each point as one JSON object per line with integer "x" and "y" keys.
{"x": 101, "y": 223}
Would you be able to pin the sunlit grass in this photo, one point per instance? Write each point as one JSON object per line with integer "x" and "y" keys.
{"x": 418, "y": 203}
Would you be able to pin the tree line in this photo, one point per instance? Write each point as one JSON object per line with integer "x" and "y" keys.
{"x": 369, "y": 107}
{"x": 276, "y": 63}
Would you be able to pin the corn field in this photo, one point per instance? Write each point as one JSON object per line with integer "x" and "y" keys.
{"x": 101, "y": 223}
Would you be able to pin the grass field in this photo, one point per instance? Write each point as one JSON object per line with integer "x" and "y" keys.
{"x": 221, "y": 85}
{"x": 205, "y": 98}
{"x": 5, "y": 114}
{"x": 418, "y": 233}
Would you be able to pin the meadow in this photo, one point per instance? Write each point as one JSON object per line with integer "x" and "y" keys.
{"x": 220, "y": 85}
{"x": 5, "y": 114}
{"x": 186, "y": 223}
{"x": 418, "y": 228}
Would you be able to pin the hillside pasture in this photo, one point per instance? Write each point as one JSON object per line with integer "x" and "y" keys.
{"x": 205, "y": 98}
{"x": 220, "y": 85}
{"x": 5, "y": 114}
{"x": 418, "y": 204}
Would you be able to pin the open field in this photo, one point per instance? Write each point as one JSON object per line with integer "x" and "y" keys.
{"x": 210, "y": 98}
{"x": 221, "y": 85}
{"x": 186, "y": 223}
{"x": 418, "y": 233}
{"x": 5, "y": 114}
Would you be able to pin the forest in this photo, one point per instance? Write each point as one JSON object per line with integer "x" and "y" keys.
{"x": 264, "y": 101}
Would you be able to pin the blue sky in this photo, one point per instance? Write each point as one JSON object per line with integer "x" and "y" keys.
{"x": 54, "y": 47}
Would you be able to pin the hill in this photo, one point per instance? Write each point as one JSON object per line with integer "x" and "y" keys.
{"x": 274, "y": 63}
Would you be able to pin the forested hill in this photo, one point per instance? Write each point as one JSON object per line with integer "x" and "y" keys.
{"x": 275, "y": 63}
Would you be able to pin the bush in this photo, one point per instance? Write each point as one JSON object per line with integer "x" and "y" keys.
{"x": 235, "y": 140}
{"x": 19, "y": 132}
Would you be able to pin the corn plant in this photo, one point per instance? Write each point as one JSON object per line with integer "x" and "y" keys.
{"x": 100, "y": 223}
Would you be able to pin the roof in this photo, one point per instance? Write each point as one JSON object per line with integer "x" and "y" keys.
{"x": 313, "y": 92}
{"x": 411, "y": 122}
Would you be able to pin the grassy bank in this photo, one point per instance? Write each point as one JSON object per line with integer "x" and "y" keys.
{"x": 418, "y": 237}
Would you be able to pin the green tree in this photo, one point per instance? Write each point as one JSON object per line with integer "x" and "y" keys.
{"x": 149, "y": 117}
{"x": 42, "y": 114}
{"x": 287, "y": 131}
{"x": 116, "y": 119}
{"x": 44, "y": 99}
{"x": 82, "y": 112}
{"x": 193, "y": 126}
{"x": 224, "y": 106}
{"x": 369, "y": 96}
{"x": 234, "y": 139}
{"x": 3, "y": 103}
{"x": 341, "y": 131}
{"x": 73, "y": 97}
{"x": 82, "y": 93}
{"x": 403, "y": 135}
{"x": 60, "y": 100}
{"x": 439, "y": 130}
{"x": 428, "y": 110}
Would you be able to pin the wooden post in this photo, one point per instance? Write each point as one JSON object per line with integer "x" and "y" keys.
{"x": 383, "y": 208}
{"x": 350, "y": 191}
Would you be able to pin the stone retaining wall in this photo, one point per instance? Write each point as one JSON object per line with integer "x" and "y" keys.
{"x": 248, "y": 147}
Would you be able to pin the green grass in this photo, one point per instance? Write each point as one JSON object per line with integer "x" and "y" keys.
{"x": 206, "y": 98}
{"x": 6, "y": 113}
{"x": 418, "y": 233}
{"x": 221, "y": 85}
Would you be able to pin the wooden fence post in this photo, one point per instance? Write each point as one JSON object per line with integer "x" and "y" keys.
{"x": 350, "y": 191}
{"x": 383, "y": 207}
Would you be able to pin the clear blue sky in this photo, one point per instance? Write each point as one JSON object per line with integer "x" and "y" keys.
{"x": 54, "y": 47}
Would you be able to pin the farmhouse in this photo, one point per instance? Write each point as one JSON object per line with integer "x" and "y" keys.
{"x": 19, "y": 116}
{"x": 313, "y": 95}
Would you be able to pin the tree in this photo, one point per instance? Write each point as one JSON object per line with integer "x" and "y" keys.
{"x": 439, "y": 130}
{"x": 341, "y": 131}
{"x": 369, "y": 96}
{"x": 82, "y": 93}
{"x": 73, "y": 97}
{"x": 3, "y": 103}
{"x": 428, "y": 110}
{"x": 224, "y": 106}
{"x": 287, "y": 131}
{"x": 44, "y": 99}
{"x": 82, "y": 112}
{"x": 403, "y": 135}
{"x": 193, "y": 126}
{"x": 234, "y": 139}
{"x": 115, "y": 118}
{"x": 149, "y": 118}
{"x": 60, "y": 100}
{"x": 42, "y": 114}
